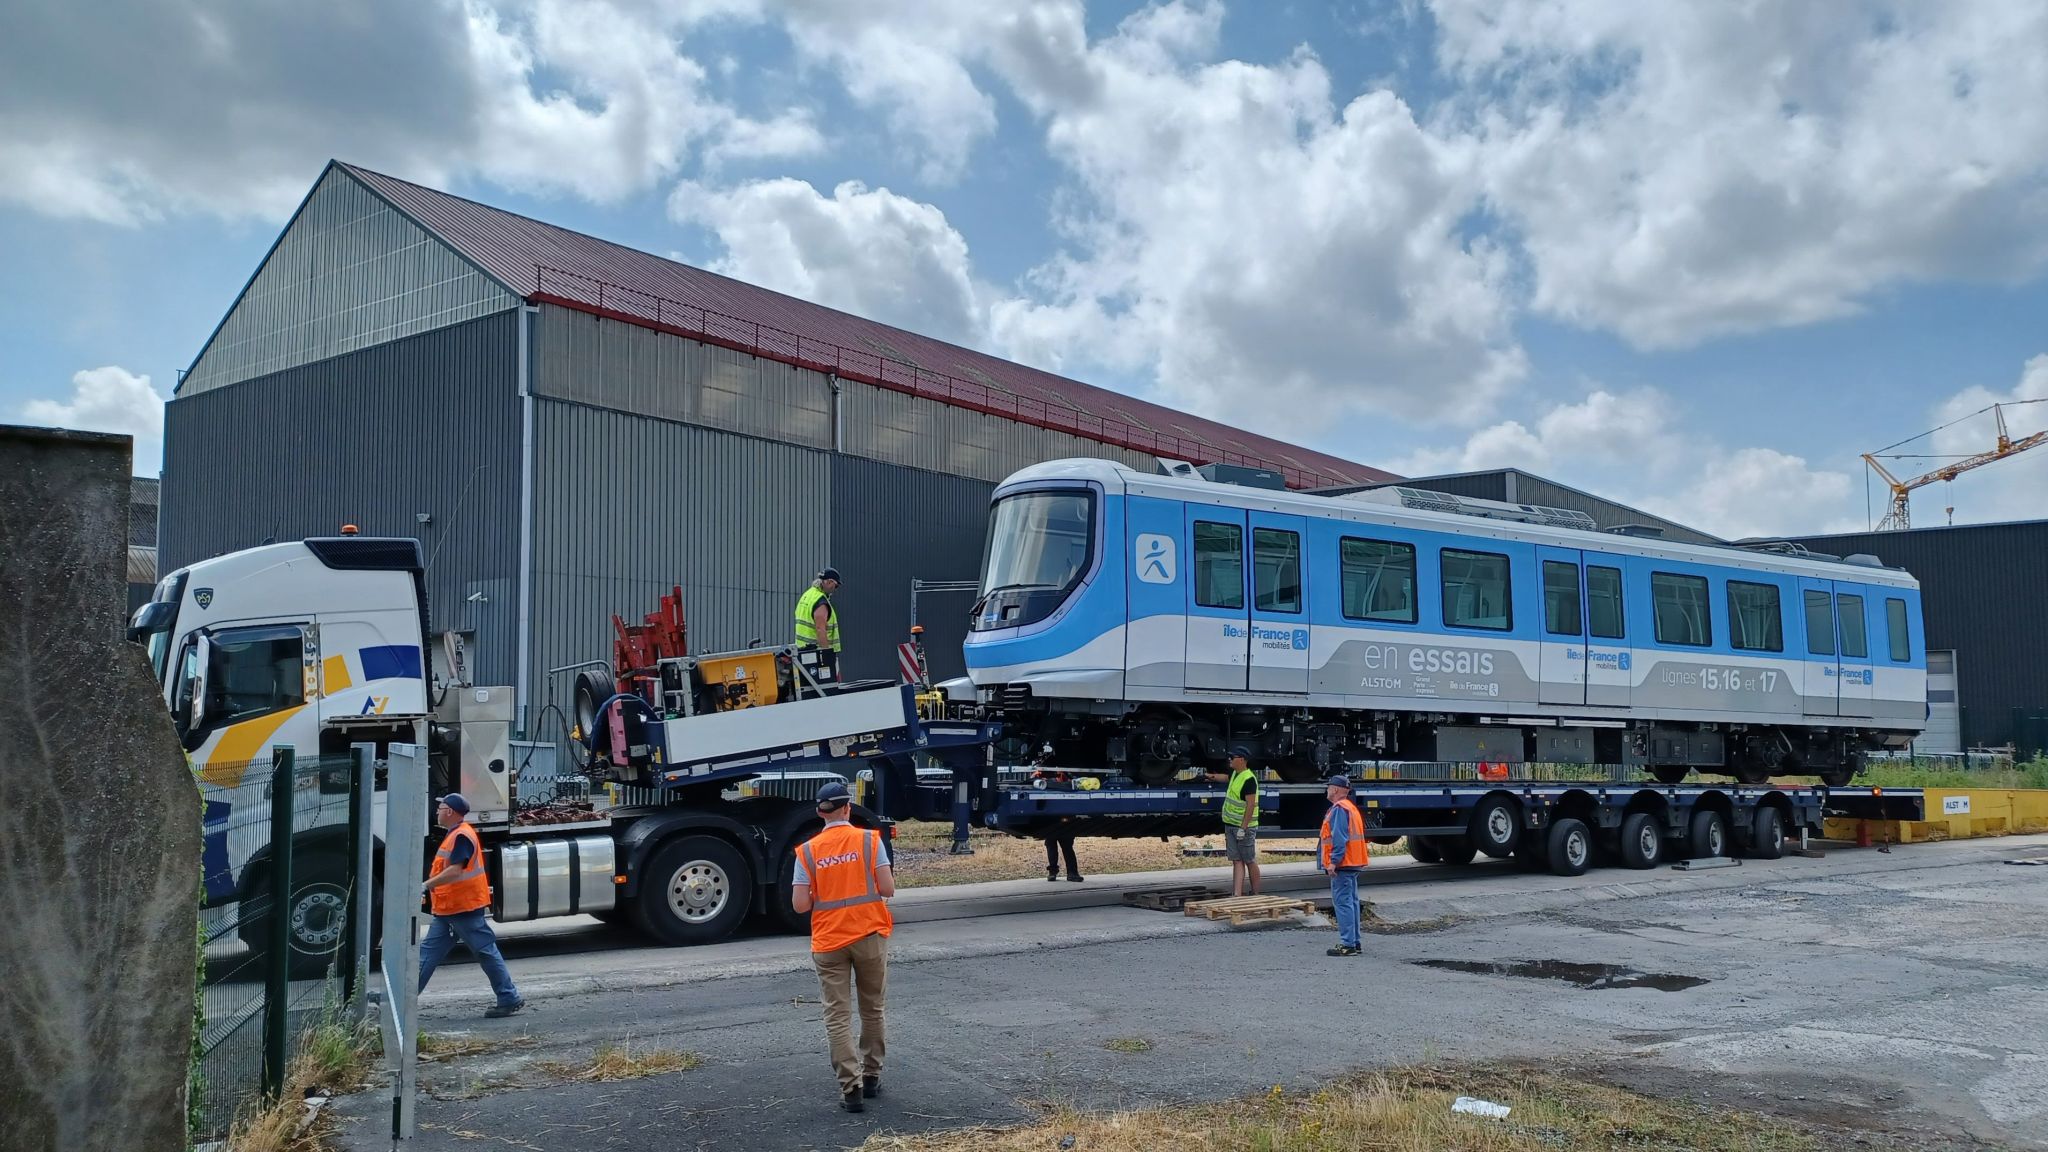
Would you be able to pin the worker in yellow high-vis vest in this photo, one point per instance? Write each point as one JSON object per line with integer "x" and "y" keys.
{"x": 1241, "y": 823}
{"x": 817, "y": 621}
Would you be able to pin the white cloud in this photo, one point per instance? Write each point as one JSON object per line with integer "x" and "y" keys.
{"x": 1673, "y": 173}
{"x": 109, "y": 399}
{"x": 229, "y": 107}
{"x": 1263, "y": 254}
{"x": 1641, "y": 449}
{"x": 869, "y": 252}
{"x": 2015, "y": 488}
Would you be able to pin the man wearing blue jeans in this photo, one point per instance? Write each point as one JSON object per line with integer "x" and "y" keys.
{"x": 1343, "y": 855}
{"x": 459, "y": 895}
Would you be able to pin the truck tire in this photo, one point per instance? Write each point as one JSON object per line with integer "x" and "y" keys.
{"x": 1641, "y": 841}
{"x": 1496, "y": 826}
{"x": 594, "y": 686}
{"x": 1767, "y": 834}
{"x": 316, "y": 915}
{"x": 1571, "y": 847}
{"x": 695, "y": 890}
{"x": 1422, "y": 850}
{"x": 1454, "y": 849}
{"x": 805, "y": 824}
{"x": 1708, "y": 836}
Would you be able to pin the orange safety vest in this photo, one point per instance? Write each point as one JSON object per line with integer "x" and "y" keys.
{"x": 846, "y": 908}
{"x": 472, "y": 891}
{"x": 1355, "y": 854}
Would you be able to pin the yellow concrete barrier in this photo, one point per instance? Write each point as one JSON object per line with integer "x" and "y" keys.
{"x": 1953, "y": 814}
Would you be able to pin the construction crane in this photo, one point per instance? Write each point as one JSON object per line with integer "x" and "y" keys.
{"x": 1900, "y": 514}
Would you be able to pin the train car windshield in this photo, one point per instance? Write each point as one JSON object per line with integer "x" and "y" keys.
{"x": 1039, "y": 547}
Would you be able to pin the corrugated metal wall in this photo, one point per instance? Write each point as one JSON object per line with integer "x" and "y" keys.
{"x": 348, "y": 273}
{"x": 425, "y": 424}
{"x": 627, "y": 507}
{"x": 626, "y": 368}
{"x": 891, "y": 525}
{"x": 1980, "y": 592}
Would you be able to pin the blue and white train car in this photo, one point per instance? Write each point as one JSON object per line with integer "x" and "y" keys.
{"x": 1151, "y": 621}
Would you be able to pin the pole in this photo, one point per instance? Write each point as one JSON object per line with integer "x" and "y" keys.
{"x": 277, "y": 975}
{"x": 362, "y": 891}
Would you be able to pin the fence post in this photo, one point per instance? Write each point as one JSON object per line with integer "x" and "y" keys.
{"x": 278, "y": 974}
{"x": 362, "y": 780}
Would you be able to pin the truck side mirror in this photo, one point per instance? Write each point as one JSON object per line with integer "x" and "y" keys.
{"x": 195, "y": 717}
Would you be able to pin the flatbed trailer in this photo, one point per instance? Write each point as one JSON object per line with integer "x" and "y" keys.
{"x": 1566, "y": 826}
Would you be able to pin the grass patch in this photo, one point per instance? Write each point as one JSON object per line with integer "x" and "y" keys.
{"x": 924, "y": 859}
{"x": 1128, "y": 1044}
{"x": 2033, "y": 774}
{"x": 1400, "y": 1110}
{"x": 621, "y": 1062}
{"x": 440, "y": 1046}
{"x": 333, "y": 1056}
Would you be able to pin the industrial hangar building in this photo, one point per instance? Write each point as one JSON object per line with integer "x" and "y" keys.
{"x": 571, "y": 427}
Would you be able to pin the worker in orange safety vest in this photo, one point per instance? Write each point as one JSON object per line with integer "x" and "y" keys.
{"x": 1342, "y": 853}
{"x": 459, "y": 896}
{"x": 843, "y": 880}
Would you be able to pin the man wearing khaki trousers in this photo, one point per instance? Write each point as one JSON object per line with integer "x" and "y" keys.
{"x": 843, "y": 880}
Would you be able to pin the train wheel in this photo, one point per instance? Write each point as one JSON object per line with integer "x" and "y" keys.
{"x": 1709, "y": 835}
{"x": 1571, "y": 847}
{"x": 1642, "y": 841}
{"x": 1838, "y": 777}
{"x": 1750, "y": 773}
{"x": 1669, "y": 773}
{"x": 1496, "y": 826}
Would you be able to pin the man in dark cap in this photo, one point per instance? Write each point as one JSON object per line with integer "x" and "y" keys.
{"x": 1241, "y": 823}
{"x": 1342, "y": 853}
{"x": 459, "y": 896}
{"x": 843, "y": 880}
{"x": 817, "y": 622}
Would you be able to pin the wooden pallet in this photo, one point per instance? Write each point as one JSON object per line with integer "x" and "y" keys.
{"x": 1239, "y": 909}
{"x": 1170, "y": 899}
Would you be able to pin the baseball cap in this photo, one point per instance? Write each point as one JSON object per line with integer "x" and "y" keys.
{"x": 456, "y": 801}
{"x": 1339, "y": 780}
{"x": 833, "y": 795}
{"x": 829, "y": 574}
{"x": 1237, "y": 750}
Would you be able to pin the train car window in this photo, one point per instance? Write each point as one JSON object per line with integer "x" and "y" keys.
{"x": 1854, "y": 642}
{"x": 1219, "y": 565}
{"x": 1603, "y": 601}
{"x": 1379, "y": 580}
{"x": 1276, "y": 570}
{"x": 1561, "y": 599}
{"x": 1680, "y": 606}
{"x": 1895, "y": 624}
{"x": 1820, "y": 623}
{"x": 1755, "y": 623}
{"x": 1476, "y": 591}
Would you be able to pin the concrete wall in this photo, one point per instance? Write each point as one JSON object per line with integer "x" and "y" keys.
{"x": 99, "y": 879}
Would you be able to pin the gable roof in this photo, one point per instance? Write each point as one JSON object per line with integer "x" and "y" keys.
{"x": 542, "y": 262}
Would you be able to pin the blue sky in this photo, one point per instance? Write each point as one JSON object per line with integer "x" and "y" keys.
{"x": 1693, "y": 262}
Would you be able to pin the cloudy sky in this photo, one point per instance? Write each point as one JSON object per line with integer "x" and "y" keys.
{"x": 1694, "y": 257}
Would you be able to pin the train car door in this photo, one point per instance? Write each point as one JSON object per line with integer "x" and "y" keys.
{"x": 1610, "y": 674}
{"x": 1858, "y": 678}
{"x": 1561, "y": 678}
{"x": 1155, "y": 636}
{"x": 1219, "y": 616}
{"x": 1819, "y": 694}
{"x": 1279, "y": 643}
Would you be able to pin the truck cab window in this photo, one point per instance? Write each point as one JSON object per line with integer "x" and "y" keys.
{"x": 255, "y": 672}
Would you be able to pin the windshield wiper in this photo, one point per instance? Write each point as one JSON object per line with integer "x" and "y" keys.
{"x": 1021, "y": 588}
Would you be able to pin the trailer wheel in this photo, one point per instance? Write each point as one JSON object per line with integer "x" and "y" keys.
{"x": 1571, "y": 847}
{"x": 696, "y": 890}
{"x": 1454, "y": 849}
{"x": 1709, "y": 835}
{"x": 1422, "y": 850}
{"x": 1642, "y": 841}
{"x": 1767, "y": 834}
{"x": 1497, "y": 826}
{"x": 1669, "y": 773}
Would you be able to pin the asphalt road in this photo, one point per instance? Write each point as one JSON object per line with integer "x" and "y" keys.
{"x": 1902, "y": 993}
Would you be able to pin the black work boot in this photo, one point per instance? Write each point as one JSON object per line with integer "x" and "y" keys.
{"x": 851, "y": 1102}
{"x": 871, "y": 1087}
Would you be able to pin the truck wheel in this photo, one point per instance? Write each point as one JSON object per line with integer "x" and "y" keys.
{"x": 1497, "y": 826}
{"x": 695, "y": 891}
{"x": 1454, "y": 849}
{"x": 316, "y": 915}
{"x": 1422, "y": 850}
{"x": 1571, "y": 847}
{"x": 1642, "y": 841}
{"x": 1767, "y": 834}
{"x": 1709, "y": 835}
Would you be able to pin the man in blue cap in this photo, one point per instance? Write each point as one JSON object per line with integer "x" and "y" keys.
{"x": 1342, "y": 853}
{"x": 459, "y": 895}
{"x": 842, "y": 879}
{"x": 1241, "y": 823}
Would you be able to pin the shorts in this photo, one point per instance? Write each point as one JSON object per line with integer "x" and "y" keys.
{"x": 1245, "y": 851}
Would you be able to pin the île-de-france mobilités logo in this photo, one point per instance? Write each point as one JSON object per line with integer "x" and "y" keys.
{"x": 1154, "y": 558}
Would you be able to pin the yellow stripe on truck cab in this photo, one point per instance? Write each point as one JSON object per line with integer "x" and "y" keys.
{"x": 334, "y": 675}
{"x": 237, "y": 747}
